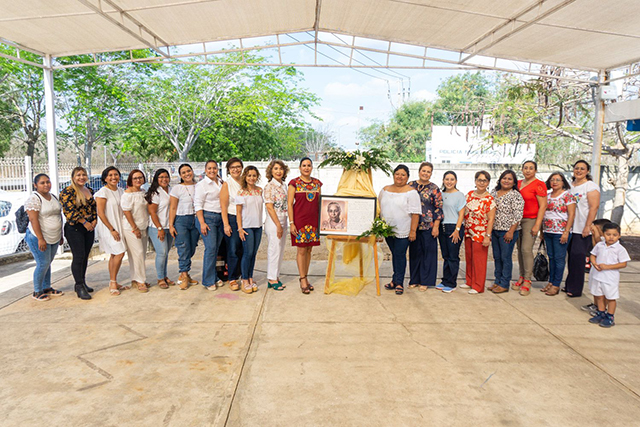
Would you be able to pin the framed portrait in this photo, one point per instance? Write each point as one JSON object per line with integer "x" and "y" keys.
{"x": 346, "y": 215}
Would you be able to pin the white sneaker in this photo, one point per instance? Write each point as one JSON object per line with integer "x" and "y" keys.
{"x": 473, "y": 292}
{"x": 464, "y": 286}
{"x": 212, "y": 287}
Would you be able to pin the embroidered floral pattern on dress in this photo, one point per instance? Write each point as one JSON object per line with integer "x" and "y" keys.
{"x": 307, "y": 234}
{"x": 277, "y": 194}
{"x": 310, "y": 188}
{"x": 557, "y": 213}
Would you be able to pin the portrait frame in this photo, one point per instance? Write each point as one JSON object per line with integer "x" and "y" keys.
{"x": 355, "y": 215}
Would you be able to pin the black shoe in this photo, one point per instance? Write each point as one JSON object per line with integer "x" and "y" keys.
{"x": 589, "y": 307}
{"x": 82, "y": 292}
{"x": 87, "y": 288}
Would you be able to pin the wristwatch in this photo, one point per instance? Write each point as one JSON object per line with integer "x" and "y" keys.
{"x": 457, "y": 228}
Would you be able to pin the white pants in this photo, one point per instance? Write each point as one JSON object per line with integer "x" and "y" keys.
{"x": 275, "y": 251}
{"x": 137, "y": 252}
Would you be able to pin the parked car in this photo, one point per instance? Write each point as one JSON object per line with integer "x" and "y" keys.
{"x": 10, "y": 240}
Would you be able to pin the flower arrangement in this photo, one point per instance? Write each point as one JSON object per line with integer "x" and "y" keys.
{"x": 380, "y": 229}
{"x": 363, "y": 160}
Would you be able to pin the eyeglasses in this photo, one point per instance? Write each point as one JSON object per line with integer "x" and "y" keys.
{"x": 235, "y": 167}
{"x": 137, "y": 178}
{"x": 482, "y": 180}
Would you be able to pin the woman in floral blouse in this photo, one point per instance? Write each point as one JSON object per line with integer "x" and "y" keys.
{"x": 275, "y": 226}
{"x": 509, "y": 208}
{"x": 557, "y": 223}
{"x": 303, "y": 202}
{"x": 423, "y": 252}
{"x": 479, "y": 216}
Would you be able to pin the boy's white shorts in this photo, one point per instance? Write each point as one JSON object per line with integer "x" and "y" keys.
{"x": 607, "y": 290}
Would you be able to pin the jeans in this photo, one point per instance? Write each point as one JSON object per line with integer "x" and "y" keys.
{"x": 502, "y": 253}
{"x": 450, "y": 254}
{"x": 578, "y": 249}
{"x": 557, "y": 253}
{"x": 398, "y": 249}
{"x": 162, "y": 251}
{"x": 211, "y": 245}
{"x": 42, "y": 273}
{"x": 250, "y": 247}
{"x": 423, "y": 259}
{"x": 80, "y": 241}
{"x": 234, "y": 249}
{"x": 186, "y": 240}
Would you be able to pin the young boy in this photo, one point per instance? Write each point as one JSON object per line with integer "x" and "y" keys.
{"x": 596, "y": 237}
{"x": 607, "y": 258}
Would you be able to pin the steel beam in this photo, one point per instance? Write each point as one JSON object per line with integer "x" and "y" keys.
{"x": 598, "y": 131}
{"x": 50, "y": 118}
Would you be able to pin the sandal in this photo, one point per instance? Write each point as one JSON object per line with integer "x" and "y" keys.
{"x": 390, "y": 286}
{"x": 246, "y": 287}
{"x": 278, "y": 286}
{"x": 114, "y": 291}
{"x": 413, "y": 286}
{"x": 423, "y": 288}
{"x": 40, "y": 296}
{"x": 399, "y": 289}
{"x": 305, "y": 289}
{"x": 234, "y": 286}
{"x": 525, "y": 289}
{"x": 554, "y": 290}
{"x": 53, "y": 292}
{"x": 547, "y": 288}
{"x": 169, "y": 281}
{"x": 162, "y": 284}
{"x": 142, "y": 287}
{"x": 516, "y": 285}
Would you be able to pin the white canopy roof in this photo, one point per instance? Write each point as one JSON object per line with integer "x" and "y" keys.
{"x": 583, "y": 34}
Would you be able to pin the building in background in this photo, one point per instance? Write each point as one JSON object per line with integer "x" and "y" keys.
{"x": 465, "y": 144}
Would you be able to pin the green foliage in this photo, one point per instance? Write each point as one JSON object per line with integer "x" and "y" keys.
{"x": 379, "y": 229}
{"x": 364, "y": 160}
{"x": 462, "y": 99}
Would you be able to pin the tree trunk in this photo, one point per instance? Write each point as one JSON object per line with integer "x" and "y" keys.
{"x": 621, "y": 184}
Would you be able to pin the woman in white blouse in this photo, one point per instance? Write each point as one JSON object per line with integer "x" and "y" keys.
{"x": 158, "y": 200}
{"x": 134, "y": 230}
{"x": 182, "y": 223}
{"x": 209, "y": 223}
{"x": 43, "y": 235}
{"x": 249, "y": 206}
{"x": 275, "y": 225}
{"x": 228, "y": 194}
{"x": 110, "y": 225}
{"x": 400, "y": 207}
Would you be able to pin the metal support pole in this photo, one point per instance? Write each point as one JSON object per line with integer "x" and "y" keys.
{"x": 28, "y": 174}
{"x": 598, "y": 130}
{"x": 50, "y": 112}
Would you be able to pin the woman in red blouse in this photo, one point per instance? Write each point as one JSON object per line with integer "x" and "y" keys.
{"x": 479, "y": 214}
{"x": 534, "y": 193}
{"x": 304, "y": 210}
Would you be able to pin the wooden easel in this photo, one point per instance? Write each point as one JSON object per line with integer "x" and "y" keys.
{"x": 350, "y": 239}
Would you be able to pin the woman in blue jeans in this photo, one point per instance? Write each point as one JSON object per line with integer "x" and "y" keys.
{"x": 209, "y": 222}
{"x": 400, "y": 207}
{"x": 249, "y": 206}
{"x": 182, "y": 226}
{"x": 43, "y": 235}
{"x": 509, "y": 211}
{"x": 451, "y": 230}
{"x": 228, "y": 195}
{"x": 556, "y": 226}
{"x": 158, "y": 200}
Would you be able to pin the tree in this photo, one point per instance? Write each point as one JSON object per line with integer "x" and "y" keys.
{"x": 24, "y": 98}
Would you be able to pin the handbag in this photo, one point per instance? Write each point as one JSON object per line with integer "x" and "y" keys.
{"x": 541, "y": 264}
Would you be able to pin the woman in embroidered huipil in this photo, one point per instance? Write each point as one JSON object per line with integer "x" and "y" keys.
{"x": 303, "y": 200}
{"x": 423, "y": 252}
{"x": 275, "y": 225}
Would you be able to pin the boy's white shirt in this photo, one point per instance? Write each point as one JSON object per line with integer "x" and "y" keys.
{"x": 604, "y": 254}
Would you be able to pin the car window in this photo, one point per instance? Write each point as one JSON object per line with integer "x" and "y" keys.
{"x": 5, "y": 208}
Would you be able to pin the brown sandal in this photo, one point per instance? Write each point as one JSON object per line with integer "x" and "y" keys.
{"x": 555, "y": 290}
{"x": 233, "y": 285}
{"x": 169, "y": 281}
{"x": 162, "y": 284}
{"x": 305, "y": 289}
{"x": 546, "y": 288}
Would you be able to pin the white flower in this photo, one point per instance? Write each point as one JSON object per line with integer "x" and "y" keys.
{"x": 360, "y": 159}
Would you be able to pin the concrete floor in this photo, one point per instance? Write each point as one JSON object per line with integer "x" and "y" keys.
{"x": 196, "y": 358}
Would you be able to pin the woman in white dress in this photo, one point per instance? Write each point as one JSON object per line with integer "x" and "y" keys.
{"x": 134, "y": 207}
{"x": 158, "y": 205}
{"x": 110, "y": 225}
{"x": 228, "y": 194}
{"x": 400, "y": 207}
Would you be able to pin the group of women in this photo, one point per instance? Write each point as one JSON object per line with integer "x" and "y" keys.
{"x": 513, "y": 213}
{"x": 213, "y": 209}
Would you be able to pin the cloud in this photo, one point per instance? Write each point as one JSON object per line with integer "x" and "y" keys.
{"x": 424, "y": 95}
{"x": 373, "y": 87}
